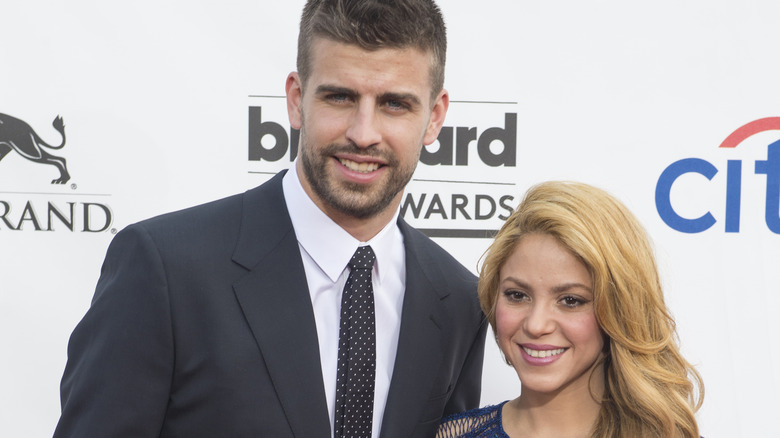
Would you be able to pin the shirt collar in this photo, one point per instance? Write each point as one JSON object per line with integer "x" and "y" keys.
{"x": 329, "y": 245}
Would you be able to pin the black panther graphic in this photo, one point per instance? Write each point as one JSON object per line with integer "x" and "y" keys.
{"x": 18, "y": 135}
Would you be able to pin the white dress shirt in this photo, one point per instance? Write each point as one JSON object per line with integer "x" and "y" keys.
{"x": 326, "y": 248}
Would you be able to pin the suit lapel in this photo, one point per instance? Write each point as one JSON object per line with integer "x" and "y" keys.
{"x": 419, "y": 353}
{"x": 275, "y": 300}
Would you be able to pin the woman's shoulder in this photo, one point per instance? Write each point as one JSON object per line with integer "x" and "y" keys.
{"x": 476, "y": 413}
{"x": 480, "y": 422}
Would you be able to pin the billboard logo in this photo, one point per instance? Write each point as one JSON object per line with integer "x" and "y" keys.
{"x": 465, "y": 185}
{"x": 769, "y": 167}
{"x": 17, "y": 135}
{"x": 454, "y": 143}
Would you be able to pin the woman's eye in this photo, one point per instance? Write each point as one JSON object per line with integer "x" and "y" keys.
{"x": 515, "y": 295}
{"x": 570, "y": 301}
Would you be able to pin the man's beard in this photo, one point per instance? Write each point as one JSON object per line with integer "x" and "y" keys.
{"x": 356, "y": 200}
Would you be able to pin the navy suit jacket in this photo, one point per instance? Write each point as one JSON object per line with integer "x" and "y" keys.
{"x": 202, "y": 326}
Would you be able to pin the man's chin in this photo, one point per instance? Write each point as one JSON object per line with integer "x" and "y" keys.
{"x": 362, "y": 207}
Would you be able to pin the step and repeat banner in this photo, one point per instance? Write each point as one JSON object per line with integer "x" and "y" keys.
{"x": 125, "y": 110}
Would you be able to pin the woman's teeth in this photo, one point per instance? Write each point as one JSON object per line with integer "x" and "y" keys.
{"x": 543, "y": 353}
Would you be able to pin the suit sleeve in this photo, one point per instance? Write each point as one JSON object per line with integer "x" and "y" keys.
{"x": 468, "y": 389}
{"x": 120, "y": 356}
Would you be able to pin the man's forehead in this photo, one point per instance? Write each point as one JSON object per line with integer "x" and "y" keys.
{"x": 321, "y": 44}
{"x": 324, "y": 50}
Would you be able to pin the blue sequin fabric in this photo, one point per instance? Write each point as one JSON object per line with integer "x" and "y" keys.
{"x": 476, "y": 423}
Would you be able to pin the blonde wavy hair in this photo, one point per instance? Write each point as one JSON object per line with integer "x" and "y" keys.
{"x": 650, "y": 389}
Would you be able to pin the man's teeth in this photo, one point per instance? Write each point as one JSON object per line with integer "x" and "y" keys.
{"x": 543, "y": 353}
{"x": 360, "y": 167}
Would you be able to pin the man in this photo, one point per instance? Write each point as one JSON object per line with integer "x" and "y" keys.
{"x": 227, "y": 319}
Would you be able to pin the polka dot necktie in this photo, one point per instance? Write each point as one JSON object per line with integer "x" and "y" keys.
{"x": 357, "y": 350}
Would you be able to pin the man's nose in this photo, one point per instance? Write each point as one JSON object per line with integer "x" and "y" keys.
{"x": 363, "y": 129}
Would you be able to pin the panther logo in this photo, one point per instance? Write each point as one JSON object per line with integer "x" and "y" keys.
{"x": 18, "y": 135}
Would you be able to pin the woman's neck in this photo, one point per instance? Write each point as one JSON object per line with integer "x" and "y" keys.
{"x": 571, "y": 412}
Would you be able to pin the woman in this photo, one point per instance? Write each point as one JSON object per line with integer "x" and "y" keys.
{"x": 571, "y": 289}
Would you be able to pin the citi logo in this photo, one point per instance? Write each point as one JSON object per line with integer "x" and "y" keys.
{"x": 454, "y": 143}
{"x": 770, "y": 167}
{"x": 17, "y": 135}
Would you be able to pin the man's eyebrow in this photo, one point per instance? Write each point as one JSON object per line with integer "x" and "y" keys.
{"x": 322, "y": 89}
{"x": 406, "y": 97}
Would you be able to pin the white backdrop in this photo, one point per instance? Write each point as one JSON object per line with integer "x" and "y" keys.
{"x": 155, "y": 96}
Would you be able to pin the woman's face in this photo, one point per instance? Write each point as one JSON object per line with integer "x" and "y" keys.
{"x": 545, "y": 323}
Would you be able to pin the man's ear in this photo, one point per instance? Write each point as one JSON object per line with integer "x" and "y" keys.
{"x": 438, "y": 112}
{"x": 294, "y": 90}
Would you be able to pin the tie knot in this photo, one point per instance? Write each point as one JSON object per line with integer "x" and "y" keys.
{"x": 363, "y": 258}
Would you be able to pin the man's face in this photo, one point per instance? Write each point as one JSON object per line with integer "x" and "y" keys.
{"x": 364, "y": 117}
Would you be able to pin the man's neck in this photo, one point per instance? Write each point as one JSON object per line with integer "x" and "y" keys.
{"x": 362, "y": 229}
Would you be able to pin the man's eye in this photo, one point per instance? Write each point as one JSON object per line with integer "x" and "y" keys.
{"x": 338, "y": 97}
{"x": 396, "y": 104}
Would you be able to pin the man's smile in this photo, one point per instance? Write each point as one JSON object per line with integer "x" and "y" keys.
{"x": 359, "y": 167}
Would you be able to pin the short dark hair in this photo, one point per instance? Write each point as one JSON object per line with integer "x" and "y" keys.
{"x": 373, "y": 25}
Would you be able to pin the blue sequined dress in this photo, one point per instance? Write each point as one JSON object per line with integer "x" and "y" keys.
{"x": 476, "y": 423}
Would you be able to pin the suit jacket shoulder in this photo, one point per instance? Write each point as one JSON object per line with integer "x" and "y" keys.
{"x": 201, "y": 325}
{"x": 441, "y": 268}
{"x": 245, "y": 225}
